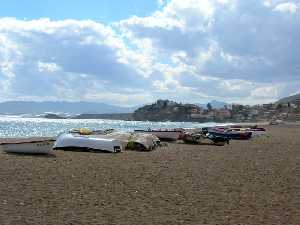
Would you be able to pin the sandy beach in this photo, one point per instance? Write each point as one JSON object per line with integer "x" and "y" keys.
{"x": 252, "y": 182}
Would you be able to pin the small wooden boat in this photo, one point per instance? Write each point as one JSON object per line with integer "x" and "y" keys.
{"x": 88, "y": 143}
{"x": 165, "y": 134}
{"x": 28, "y": 145}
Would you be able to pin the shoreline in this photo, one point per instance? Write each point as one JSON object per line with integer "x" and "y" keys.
{"x": 246, "y": 182}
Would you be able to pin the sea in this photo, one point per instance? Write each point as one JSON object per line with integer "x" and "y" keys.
{"x": 20, "y": 126}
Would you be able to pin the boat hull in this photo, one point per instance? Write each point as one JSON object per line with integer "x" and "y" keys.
{"x": 70, "y": 141}
{"x": 42, "y": 147}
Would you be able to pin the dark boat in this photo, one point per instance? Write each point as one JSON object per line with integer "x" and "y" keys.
{"x": 218, "y": 140}
{"x": 227, "y": 134}
{"x": 232, "y": 135}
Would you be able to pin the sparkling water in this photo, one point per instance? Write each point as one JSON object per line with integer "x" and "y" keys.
{"x": 15, "y": 126}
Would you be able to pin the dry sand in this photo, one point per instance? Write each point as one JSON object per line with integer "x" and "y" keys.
{"x": 247, "y": 182}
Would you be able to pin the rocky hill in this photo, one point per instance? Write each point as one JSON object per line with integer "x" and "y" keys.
{"x": 295, "y": 99}
{"x": 165, "y": 110}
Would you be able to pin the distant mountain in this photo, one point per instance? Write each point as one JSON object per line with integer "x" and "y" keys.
{"x": 295, "y": 99}
{"x": 31, "y": 107}
{"x": 214, "y": 103}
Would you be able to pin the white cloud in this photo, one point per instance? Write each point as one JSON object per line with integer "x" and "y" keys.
{"x": 236, "y": 85}
{"x": 48, "y": 67}
{"x": 186, "y": 10}
{"x": 269, "y": 92}
{"x": 161, "y": 3}
{"x": 223, "y": 39}
{"x": 76, "y": 53}
{"x": 192, "y": 50}
{"x": 287, "y": 7}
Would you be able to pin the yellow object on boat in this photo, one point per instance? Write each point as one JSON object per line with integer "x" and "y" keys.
{"x": 85, "y": 131}
{"x": 82, "y": 131}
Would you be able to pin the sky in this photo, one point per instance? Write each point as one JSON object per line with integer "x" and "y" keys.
{"x": 135, "y": 52}
{"x": 103, "y": 11}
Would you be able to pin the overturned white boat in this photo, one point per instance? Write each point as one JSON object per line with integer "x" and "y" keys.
{"x": 164, "y": 134}
{"x": 88, "y": 142}
{"x": 28, "y": 146}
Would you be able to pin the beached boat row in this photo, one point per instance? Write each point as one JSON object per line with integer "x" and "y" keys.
{"x": 142, "y": 140}
{"x": 84, "y": 140}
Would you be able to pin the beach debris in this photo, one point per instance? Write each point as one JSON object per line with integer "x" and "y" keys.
{"x": 275, "y": 122}
{"x": 137, "y": 141}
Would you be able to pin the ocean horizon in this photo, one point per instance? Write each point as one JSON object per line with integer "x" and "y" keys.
{"x": 19, "y": 126}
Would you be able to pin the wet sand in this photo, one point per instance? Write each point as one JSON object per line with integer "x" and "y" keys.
{"x": 247, "y": 182}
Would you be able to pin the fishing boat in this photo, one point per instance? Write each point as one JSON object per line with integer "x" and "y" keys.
{"x": 88, "y": 143}
{"x": 29, "y": 146}
{"x": 236, "y": 135}
{"x": 165, "y": 134}
{"x": 199, "y": 138}
{"x": 227, "y": 133}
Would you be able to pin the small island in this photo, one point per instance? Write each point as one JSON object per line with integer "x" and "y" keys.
{"x": 53, "y": 116}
